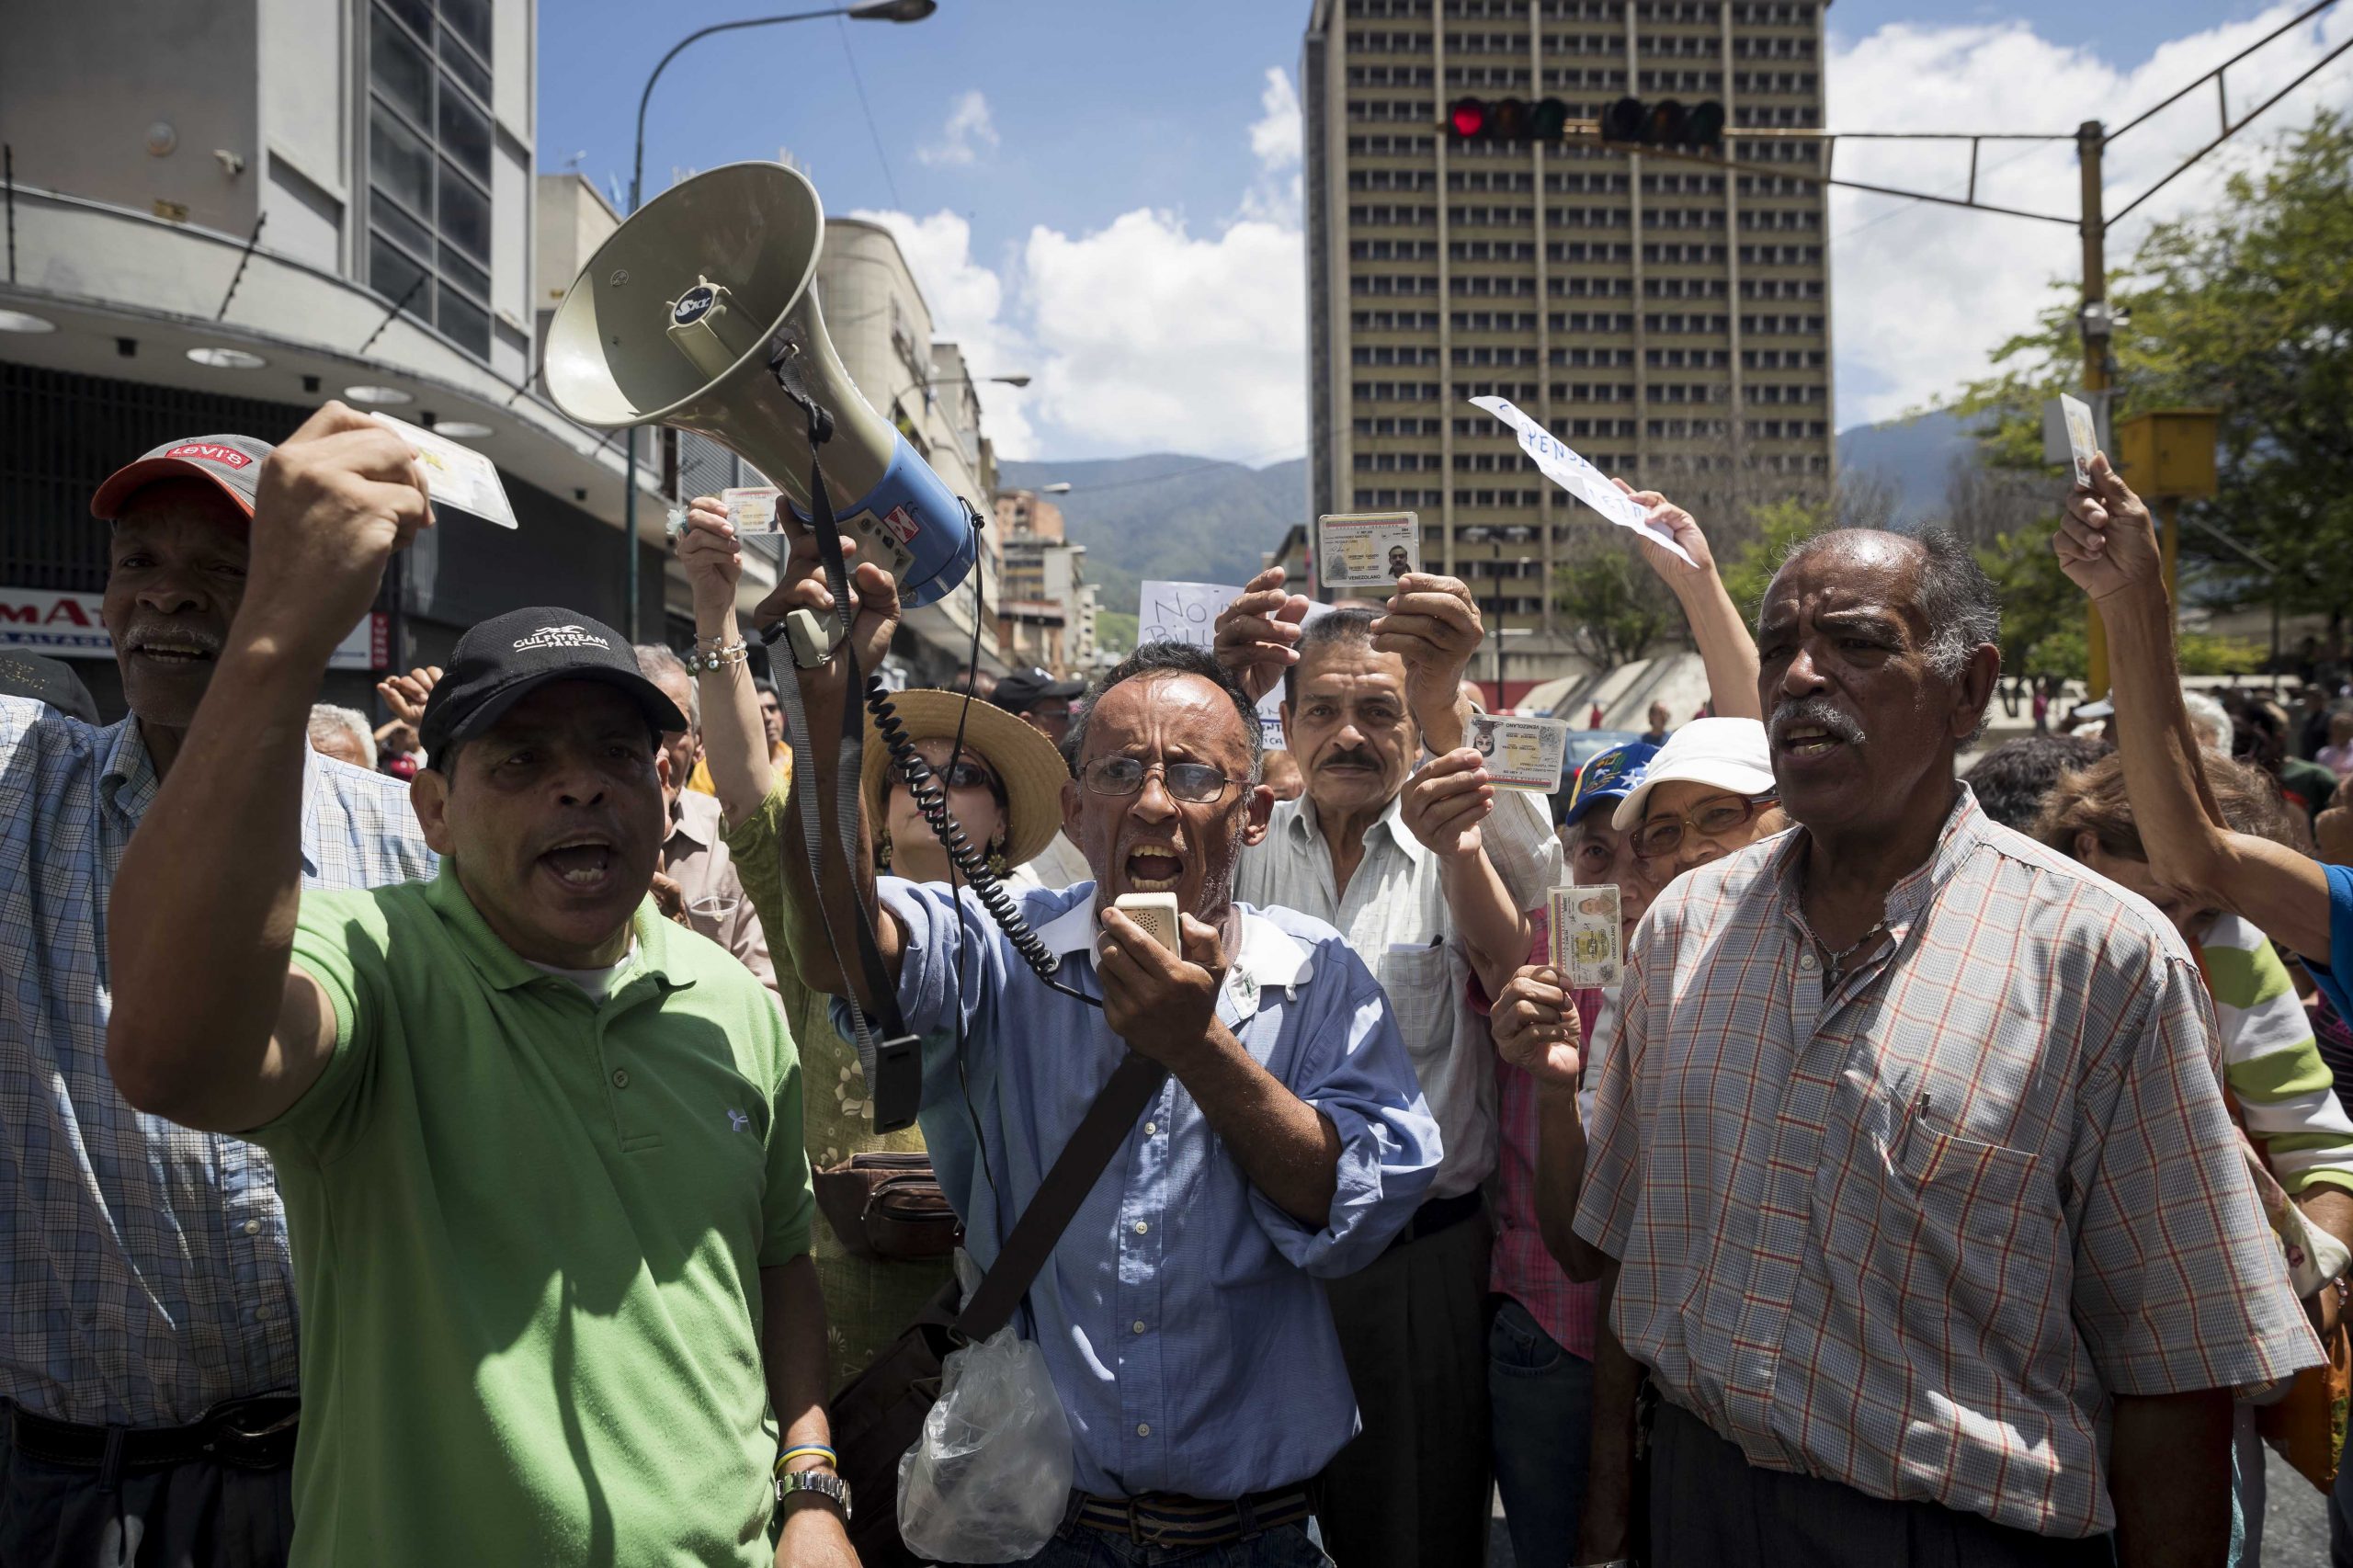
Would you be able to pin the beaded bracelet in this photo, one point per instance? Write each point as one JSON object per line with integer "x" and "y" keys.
{"x": 803, "y": 1451}
{"x": 716, "y": 659}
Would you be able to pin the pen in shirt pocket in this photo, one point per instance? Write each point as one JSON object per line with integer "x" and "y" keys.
{"x": 1914, "y": 1113}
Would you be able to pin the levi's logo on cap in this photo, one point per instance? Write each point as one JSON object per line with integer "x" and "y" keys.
{"x": 561, "y": 637}
{"x": 208, "y": 451}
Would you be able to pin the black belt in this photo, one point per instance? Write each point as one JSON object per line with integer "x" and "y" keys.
{"x": 1438, "y": 1214}
{"x": 251, "y": 1434}
{"x": 1165, "y": 1519}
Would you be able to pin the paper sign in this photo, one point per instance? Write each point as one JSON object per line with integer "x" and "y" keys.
{"x": 751, "y": 509}
{"x": 1520, "y": 753}
{"x": 1367, "y": 549}
{"x": 1585, "y": 934}
{"x": 1580, "y": 478}
{"x": 1188, "y": 612}
{"x": 2083, "y": 437}
{"x": 457, "y": 477}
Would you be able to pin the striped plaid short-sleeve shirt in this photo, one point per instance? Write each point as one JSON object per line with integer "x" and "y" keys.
{"x": 1911, "y": 1233}
{"x": 144, "y": 1265}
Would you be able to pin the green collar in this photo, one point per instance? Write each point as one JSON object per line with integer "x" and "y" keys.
{"x": 503, "y": 969}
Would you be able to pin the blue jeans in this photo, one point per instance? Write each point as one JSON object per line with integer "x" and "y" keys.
{"x": 1541, "y": 1401}
{"x": 1285, "y": 1546}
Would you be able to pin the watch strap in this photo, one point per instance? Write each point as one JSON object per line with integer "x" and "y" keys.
{"x": 814, "y": 1483}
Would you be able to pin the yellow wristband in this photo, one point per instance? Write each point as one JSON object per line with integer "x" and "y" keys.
{"x": 805, "y": 1452}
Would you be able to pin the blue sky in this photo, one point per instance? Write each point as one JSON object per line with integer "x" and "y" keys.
{"x": 1112, "y": 149}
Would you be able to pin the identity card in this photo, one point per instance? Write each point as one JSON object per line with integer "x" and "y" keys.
{"x": 1367, "y": 549}
{"x": 457, "y": 477}
{"x": 1585, "y": 936}
{"x": 2082, "y": 435}
{"x": 1520, "y": 753}
{"x": 750, "y": 508}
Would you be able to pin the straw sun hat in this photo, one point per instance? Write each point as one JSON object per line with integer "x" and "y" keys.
{"x": 1021, "y": 757}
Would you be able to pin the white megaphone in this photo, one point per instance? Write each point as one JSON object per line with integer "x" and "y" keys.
{"x": 699, "y": 313}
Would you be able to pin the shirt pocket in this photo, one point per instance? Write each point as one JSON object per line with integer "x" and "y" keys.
{"x": 1422, "y": 999}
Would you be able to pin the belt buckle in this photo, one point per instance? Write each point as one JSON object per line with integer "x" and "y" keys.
{"x": 1140, "y": 1532}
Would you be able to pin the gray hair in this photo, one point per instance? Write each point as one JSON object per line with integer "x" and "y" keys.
{"x": 1169, "y": 659}
{"x": 1346, "y": 624}
{"x": 1960, "y": 603}
{"x": 328, "y": 721}
{"x": 655, "y": 660}
{"x": 2210, "y": 719}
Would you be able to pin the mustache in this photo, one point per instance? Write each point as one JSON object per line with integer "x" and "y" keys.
{"x": 1355, "y": 756}
{"x": 155, "y": 630}
{"x": 1818, "y": 711}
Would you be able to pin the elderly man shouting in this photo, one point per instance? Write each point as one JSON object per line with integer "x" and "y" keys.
{"x": 1927, "y": 1217}
{"x": 1179, "y": 1314}
{"x": 541, "y": 1148}
{"x": 1364, "y": 694}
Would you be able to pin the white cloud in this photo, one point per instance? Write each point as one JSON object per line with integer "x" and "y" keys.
{"x": 968, "y": 134}
{"x": 1144, "y": 334}
{"x": 1922, "y": 293}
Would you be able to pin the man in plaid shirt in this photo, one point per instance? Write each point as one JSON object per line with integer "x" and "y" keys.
{"x": 1925, "y": 1212}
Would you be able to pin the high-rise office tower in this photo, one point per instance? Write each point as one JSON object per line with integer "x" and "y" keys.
{"x": 1668, "y": 319}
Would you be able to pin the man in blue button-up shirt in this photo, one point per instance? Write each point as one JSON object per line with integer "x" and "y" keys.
{"x": 1180, "y": 1315}
{"x": 143, "y": 1266}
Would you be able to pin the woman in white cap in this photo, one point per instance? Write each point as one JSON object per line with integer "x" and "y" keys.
{"x": 1709, "y": 792}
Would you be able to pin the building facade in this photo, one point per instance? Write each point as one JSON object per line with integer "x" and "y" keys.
{"x": 1046, "y": 617}
{"x": 226, "y": 215}
{"x": 1668, "y": 320}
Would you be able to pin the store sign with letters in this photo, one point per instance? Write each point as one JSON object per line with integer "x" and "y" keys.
{"x": 69, "y": 626}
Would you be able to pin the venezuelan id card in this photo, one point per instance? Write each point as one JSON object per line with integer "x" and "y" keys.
{"x": 750, "y": 508}
{"x": 1586, "y": 936}
{"x": 2082, "y": 435}
{"x": 1367, "y": 549}
{"x": 457, "y": 477}
{"x": 1520, "y": 753}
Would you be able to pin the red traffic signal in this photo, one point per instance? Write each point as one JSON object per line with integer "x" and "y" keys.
{"x": 1469, "y": 117}
{"x": 1507, "y": 120}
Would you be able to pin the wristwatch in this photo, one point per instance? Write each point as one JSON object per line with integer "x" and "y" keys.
{"x": 816, "y": 1483}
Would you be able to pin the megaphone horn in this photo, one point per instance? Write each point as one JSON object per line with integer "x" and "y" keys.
{"x": 701, "y": 313}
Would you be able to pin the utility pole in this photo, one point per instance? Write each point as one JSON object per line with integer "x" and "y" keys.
{"x": 2097, "y": 324}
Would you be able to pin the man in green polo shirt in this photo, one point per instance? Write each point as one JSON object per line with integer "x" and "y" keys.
{"x": 540, "y": 1148}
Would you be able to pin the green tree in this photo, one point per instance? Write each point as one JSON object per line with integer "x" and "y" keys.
{"x": 2246, "y": 307}
{"x": 1615, "y": 607}
{"x": 1781, "y": 526}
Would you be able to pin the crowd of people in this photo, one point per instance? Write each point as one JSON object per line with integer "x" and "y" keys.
{"x": 426, "y": 1140}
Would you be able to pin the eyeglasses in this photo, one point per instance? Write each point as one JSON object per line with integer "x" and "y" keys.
{"x": 1712, "y": 820}
{"x": 1197, "y": 783}
{"x": 958, "y": 775}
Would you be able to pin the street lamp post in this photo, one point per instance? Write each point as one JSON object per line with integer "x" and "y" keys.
{"x": 860, "y": 11}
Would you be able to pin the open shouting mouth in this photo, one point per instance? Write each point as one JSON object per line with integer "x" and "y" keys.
{"x": 1154, "y": 868}
{"x": 584, "y": 863}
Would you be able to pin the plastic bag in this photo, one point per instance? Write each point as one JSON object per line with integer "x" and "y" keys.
{"x": 989, "y": 1479}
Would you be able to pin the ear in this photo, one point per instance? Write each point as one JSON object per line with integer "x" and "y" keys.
{"x": 428, "y": 797}
{"x": 661, "y": 768}
{"x": 1259, "y": 813}
{"x": 1974, "y": 690}
{"x": 1072, "y": 796}
{"x": 2086, "y": 844}
{"x": 1284, "y": 710}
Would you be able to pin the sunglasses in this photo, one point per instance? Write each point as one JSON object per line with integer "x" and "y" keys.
{"x": 962, "y": 774}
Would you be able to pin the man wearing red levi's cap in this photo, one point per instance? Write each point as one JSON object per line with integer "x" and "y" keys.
{"x": 148, "y": 1375}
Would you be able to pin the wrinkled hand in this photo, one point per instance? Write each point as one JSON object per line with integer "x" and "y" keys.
{"x": 1536, "y": 1030}
{"x": 711, "y": 554}
{"x": 1257, "y": 634}
{"x": 1433, "y": 625}
{"x": 670, "y": 898}
{"x": 1446, "y": 801}
{"x": 801, "y": 585}
{"x": 2106, "y": 541}
{"x": 814, "y": 1536}
{"x": 404, "y": 695}
{"x": 334, "y": 501}
{"x": 1164, "y": 1006}
{"x": 1662, "y": 513}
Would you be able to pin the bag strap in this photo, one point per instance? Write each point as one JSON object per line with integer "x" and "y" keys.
{"x": 1132, "y": 1086}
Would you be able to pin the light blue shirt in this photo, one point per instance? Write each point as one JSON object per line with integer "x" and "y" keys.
{"x": 144, "y": 1265}
{"x": 1180, "y": 1315}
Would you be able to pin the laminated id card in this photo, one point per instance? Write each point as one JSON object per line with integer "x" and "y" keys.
{"x": 1367, "y": 549}
{"x": 1520, "y": 753}
{"x": 1586, "y": 936}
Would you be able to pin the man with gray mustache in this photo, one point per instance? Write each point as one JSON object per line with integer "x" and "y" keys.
{"x": 147, "y": 1343}
{"x": 1922, "y": 1205}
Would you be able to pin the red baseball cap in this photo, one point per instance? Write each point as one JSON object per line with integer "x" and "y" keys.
{"x": 233, "y": 463}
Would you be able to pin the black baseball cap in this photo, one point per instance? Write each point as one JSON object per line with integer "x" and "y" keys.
{"x": 1024, "y": 689}
{"x": 500, "y": 661}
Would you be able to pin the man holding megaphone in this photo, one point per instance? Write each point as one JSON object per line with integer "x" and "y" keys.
{"x": 540, "y": 1148}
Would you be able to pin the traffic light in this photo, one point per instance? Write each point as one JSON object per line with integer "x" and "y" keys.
{"x": 1507, "y": 120}
{"x": 1666, "y": 123}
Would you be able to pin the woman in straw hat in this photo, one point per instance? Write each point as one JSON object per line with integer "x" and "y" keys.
{"x": 1004, "y": 788}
